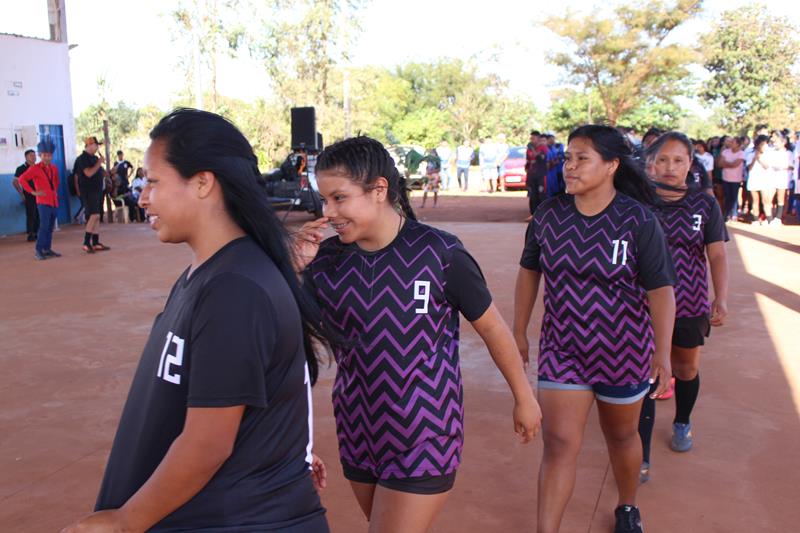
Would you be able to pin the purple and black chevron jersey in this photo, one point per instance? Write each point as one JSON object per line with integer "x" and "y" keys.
{"x": 596, "y": 326}
{"x": 689, "y": 225}
{"x": 397, "y": 396}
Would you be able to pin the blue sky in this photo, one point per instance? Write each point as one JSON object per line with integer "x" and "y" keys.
{"x": 129, "y": 42}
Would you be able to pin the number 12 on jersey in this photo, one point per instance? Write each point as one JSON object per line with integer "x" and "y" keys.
{"x": 616, "y": 252}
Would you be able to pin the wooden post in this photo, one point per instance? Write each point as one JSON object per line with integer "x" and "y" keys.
{"x": 109, "y": 203}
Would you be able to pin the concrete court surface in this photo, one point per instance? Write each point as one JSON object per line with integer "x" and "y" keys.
{"x": 73, "y": 329}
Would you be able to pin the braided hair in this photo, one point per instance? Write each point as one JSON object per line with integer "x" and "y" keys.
{"x": 365, "y": 160}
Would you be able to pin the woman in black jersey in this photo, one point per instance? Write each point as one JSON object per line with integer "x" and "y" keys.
{"x": 216, "y": 432}
{"x": 608, "y": 313}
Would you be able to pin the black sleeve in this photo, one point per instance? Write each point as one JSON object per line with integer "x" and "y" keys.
{"x": 655, "y": 262}
{"x": 232, "y": 339}
{"x": 466, "y": 288}
{"x": 20, "y": 171}
{"x": 530, "y": 254}
{"x": 715, "y": 229}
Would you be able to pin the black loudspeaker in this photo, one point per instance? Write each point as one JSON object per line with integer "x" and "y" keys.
{"x": 304, "y": 128}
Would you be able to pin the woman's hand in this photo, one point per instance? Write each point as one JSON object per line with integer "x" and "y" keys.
{"x": 524, "y": 349}
{"x": 660, "y": 372}
{"x": 527, "y": 419}
{"x": 719, "y": 312}
{"x": 110, "y": 521}
{"x": 319, "y": 474}
{"x": 305, "y": 243}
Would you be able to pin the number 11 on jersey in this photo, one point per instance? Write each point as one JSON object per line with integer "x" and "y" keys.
{"x": 616, "y": 251}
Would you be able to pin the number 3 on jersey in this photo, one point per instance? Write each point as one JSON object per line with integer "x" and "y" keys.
{"x": 422, "y": 292}
{"x": 698, "y": 220}
{"x": 616, "y": 253}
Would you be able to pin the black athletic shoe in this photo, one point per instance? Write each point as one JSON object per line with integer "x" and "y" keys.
{"x": 31, "y": 238}
{"x": 51, "y": 253}
{"x": 39, "y": 256}
{"x": 628, "y": 520}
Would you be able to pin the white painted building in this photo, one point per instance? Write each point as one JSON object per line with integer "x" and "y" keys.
{"x": 35, "y": 101}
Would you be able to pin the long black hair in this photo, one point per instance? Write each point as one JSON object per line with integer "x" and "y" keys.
{"x": 652, "y": 151}
{"x": 197, "y": 141}
{"x": 630, "y": 177}
{"x": 364, "y": 160}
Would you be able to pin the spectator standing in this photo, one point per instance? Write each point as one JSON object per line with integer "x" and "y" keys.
{"x": 502, "y": 154}
{"x": 41, "y": 182}
{"x": 464, "y": 154}
{"x": 732, "y": 163}
{"x": 123, "y": 169}
{"x": 445, "y": 155}
{"x": 487, "y": 155}
{"x": 31, "y": 211}
{"x": 536, "y": 170}
{"x": 91, "y": 186}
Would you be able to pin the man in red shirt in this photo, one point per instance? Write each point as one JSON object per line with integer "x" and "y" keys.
{"x": 44, "y": 178}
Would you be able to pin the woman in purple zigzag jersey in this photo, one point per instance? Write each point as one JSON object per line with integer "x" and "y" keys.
{"x": 695, "y": 231}
{"x": 394, "y": 288}
{"x": 608, "y": 312}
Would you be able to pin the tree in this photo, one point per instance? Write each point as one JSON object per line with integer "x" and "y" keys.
{"x": 626, "y": 58}
{"x": 208, "y": 27}
{"x": 750, "y": 55}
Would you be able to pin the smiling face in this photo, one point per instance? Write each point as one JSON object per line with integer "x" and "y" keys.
{"x": 169, "y": 199}
{"x": 353, "y": 212}
{"x": 46, "y": 157}
{"x": 584, "y": 168}
{"x": 671, "y": 164}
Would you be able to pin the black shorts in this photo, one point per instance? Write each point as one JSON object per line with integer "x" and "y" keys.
{"x": 691, "y": 332}
{"x": 412, "y": 485}
{"x": 92, "y": 201}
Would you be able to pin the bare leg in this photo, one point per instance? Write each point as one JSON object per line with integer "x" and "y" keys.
{"x": 402, "y": 512}
{"x": 620, "y": 425}
{"x": 364, "y": 493}
{"x": 564, "y": 415}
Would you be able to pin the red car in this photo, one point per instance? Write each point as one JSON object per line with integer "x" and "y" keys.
{"x": 512, "y": 173}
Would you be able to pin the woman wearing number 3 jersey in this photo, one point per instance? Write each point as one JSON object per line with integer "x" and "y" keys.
{"x": 215, "y": 434}
{"x": 394, "y": 288}
{"x": 608, "y": 313}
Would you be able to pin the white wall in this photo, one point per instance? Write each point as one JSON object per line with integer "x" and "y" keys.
{"x": 35, "y": 90}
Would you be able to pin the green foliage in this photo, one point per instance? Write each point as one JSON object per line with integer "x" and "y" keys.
{"x": 750, "y": 55}
{"x": 625, "y": 57}
{"x": 123, "y": 123}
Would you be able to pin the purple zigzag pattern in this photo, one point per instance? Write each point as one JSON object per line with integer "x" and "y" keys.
{"x": 596, "y": 327}
{"x": 397, "y": 396}
{"x": 687, "y": 246}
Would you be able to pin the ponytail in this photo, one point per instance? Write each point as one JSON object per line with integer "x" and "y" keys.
{"x": 198, "y": 141}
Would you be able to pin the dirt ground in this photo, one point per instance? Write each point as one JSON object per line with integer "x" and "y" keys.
{"x": 73, "y": 329}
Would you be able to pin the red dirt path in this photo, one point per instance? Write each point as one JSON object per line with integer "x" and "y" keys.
{"x": 73, "y": 329}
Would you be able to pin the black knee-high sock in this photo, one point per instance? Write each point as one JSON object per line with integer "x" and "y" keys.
{"x": 95, "y": 238}
{"x": 647, "y": 419}
{"x": 685, "y": 396}
{"x": 87, "y": 239}
{"x": 779, "y": 212}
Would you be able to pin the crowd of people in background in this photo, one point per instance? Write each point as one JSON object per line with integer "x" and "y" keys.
{"x": 100, "y": 190}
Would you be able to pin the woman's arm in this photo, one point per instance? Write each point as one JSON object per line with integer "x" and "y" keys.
{"x": 191, "y": 461}
{"x": 495, "y": 333}
{"x": 662, "y": 313}
{"x": 525, "y": 294}
{"x": 718, "y": 259}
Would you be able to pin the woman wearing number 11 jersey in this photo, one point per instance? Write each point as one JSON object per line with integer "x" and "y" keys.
{"x": 608, "y": 313}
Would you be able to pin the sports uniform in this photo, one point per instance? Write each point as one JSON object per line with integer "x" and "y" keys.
{"x": 230, "y": 334}
{"x": 596, "y": 329}
{"x": 397, "y": 396}
{"x": 690, "y": 224}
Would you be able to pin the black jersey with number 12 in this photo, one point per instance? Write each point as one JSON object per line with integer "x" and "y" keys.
{"x": 230, "y": 334}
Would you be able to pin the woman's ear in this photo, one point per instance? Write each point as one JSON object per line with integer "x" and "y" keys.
{"x": 381, "y": 188}
{"x": 205, "y": 182}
